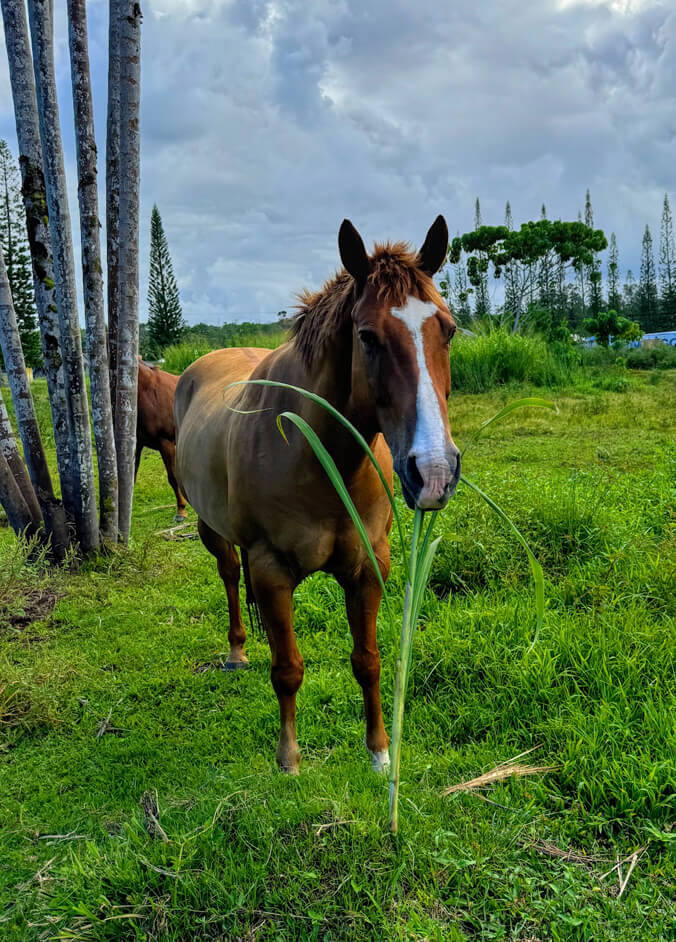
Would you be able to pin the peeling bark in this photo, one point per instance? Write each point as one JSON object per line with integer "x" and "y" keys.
{"x": 113, "y": 189}
{"x": 35, "y": 203}
{"x": 92, "y": 273}
{"x": 36, "y": 461}
{"x": 127, "y": 352}
{"x": 10, "y": 453}
{"x": 41, "y": 25}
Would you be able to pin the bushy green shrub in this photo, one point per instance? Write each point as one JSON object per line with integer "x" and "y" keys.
{"x": 179, "y": 356}
{"x": 482, "y": 362}
{"x": 662, "y": 357}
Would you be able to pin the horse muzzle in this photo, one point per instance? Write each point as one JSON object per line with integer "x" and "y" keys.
{"x": 429, "y": 485}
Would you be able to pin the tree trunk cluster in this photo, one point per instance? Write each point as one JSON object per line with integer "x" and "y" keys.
{"x": 78, "y": 519}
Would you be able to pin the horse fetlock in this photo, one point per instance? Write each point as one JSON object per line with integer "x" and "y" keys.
{"x": 288, "y": 757}
{"x": 380, "y": 761}
{"x": 236, "y": 659}
{"x": 379, "y": 755}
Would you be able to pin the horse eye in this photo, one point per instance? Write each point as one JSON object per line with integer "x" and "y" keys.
{"x": 449, "y": 333}
{"x": 369, "y": 340}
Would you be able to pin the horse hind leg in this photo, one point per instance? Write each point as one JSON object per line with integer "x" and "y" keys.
{"x": 168, "y": 451}
{"x": 227, "y": 562}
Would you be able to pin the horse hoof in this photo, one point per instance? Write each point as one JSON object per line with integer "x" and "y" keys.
{"x": 380, "y": 761}
{"x": 289, "y": 769}
{"x": 180, "y": 518}
{"x": 236, "y": 665}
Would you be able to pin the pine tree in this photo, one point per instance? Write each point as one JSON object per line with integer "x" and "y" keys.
{"x": 165, "y": 318}
{"x": 630, "y": 296}
{"x": 483, "y": 304}
{"x": 14, "y": 243}
{"x": 592, "y": 273}
{"x": 614, "y": 295}
{"x": 512, "y": 275}
{"x": 667, "y": 270}
{"x": 546, "y": 277}
{"x": 648, "y": 306}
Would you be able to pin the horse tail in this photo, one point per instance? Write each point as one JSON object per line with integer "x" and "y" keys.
{"x": 255, "y": 619}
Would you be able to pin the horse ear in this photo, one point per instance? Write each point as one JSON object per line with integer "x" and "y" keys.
{"x": 433, "y": 252}
{"x": 353, "y": 254}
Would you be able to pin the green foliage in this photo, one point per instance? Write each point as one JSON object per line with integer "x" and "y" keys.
{"x": 661, "y": 357}
{"x": 165, "y": 318}
{"x": 572, "y": 242}
{"x": 482, "y": 362}
{"x": 607, "y": 324}
{"x": 244, "y": 334}
{"x": 251, "y": 853}
{"x": 14, "y": 245}
{"x": 178, "y": 357}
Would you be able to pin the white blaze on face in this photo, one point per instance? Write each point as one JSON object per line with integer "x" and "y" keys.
{"x": 429, "y": 442}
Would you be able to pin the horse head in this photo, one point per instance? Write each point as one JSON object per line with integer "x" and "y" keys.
{"x": 401, "y": 334}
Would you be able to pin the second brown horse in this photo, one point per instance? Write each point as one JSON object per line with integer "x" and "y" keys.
{"x": 374, "y": 343}
{"x": 155, "y": 427}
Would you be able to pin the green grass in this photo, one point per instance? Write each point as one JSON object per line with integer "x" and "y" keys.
{"x": 485, "y": 361}
{"x": 251, "y": 854}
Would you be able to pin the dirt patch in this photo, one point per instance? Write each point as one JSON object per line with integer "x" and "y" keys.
{"x": 37, "y": 605}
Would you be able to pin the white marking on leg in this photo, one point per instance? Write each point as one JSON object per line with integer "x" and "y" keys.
{"x": 380, "y": 761}
{"x": 429, "y": 441}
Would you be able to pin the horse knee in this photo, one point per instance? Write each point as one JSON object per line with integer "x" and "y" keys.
{"x": 366, "y": 668}
{"x": 287, "y": 677}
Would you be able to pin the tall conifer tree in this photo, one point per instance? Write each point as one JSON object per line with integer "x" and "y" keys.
{"x": 630, "y": 296}
{"x": 592, "y": 274}
{"x": 165, "y": 317}
{"x": 483, "y": 303}
{"x": 14, "y": 243}
{"x": 614, "y": 295}
{"x": 648, "y": 306}
{"x": 667, "y": 270}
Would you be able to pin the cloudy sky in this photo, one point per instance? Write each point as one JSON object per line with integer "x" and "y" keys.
{"x": 265, "y": 123}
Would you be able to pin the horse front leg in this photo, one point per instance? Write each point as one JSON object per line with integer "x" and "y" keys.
{"x": 362, "y": 600}
{"x": 273, "y": 590}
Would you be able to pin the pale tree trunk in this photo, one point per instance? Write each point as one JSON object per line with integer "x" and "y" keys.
{"x": 12, "y": 502}
{"x": 52, "y": 510}
{"x": 40, "y": 15}
{"x": 113, "y": 188}
{"x": 35, "y": 203}
{"x": 127, "y": 351}
{"x": 92, "y": 273}
{"x": 10, "y": 455}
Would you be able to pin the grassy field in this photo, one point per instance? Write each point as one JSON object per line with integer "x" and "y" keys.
{"x": 117, "y": 692}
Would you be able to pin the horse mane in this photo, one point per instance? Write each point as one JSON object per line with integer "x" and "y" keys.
{"x": 395, "y": 275}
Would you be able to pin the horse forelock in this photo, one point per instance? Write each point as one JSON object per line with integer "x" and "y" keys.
{"x": 394, "y": 275}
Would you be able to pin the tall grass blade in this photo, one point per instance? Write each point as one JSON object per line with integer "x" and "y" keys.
{"x": 526, "y": 402}
{"x": 422, "y": 554}
{"x": 536, "y": 568}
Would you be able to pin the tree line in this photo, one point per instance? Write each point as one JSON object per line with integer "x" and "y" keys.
{"x": 552, "y": 278}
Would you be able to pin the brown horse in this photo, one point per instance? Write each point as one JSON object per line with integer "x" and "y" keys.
{"x": 373, "y": 342}
{"x": 155, "y": 427}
